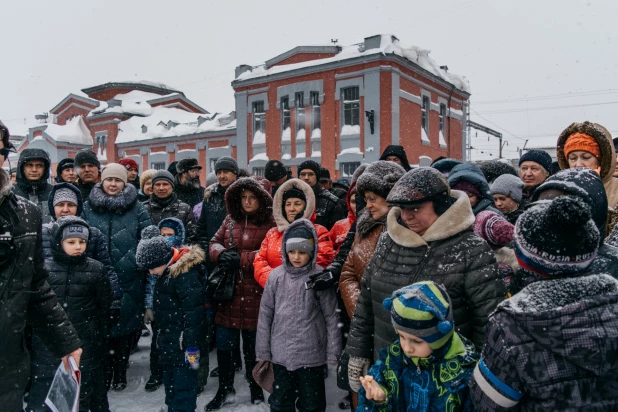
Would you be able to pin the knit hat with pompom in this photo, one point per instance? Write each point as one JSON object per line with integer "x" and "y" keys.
{"x": 556, "y": 237}
{"x": 424, "y": 310}
{"x": 153, "y": 250}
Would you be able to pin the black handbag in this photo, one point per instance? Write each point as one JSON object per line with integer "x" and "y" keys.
{"x": 343, "y": 381}
{"x": 222, "y": 280}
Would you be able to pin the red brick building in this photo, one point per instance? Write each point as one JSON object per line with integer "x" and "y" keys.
{"x": 343, "y": 105}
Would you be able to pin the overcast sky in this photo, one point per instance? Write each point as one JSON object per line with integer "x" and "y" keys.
{"x": 519, "y": 56}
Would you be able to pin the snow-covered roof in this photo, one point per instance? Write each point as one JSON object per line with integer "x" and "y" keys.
{"x": 134, "y": 103}
{"x": 156, "y": 87}
{"x": 169, "y": 122}
{"x": 75, "y": 131}
{"x": 389, "y": 44}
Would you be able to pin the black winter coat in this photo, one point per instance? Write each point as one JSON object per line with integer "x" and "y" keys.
{"x": 35, "y": 191}
{"x": 329, "y": 208}
{"x": 189, "y": 195}
{"x": 449, "y": 253}
{"x": 25, "y": 295}
{"x": 552, "y": 347}
{"x": 85, "y": 189}
{"x": 121, "y": 218}
{"x": 82, "y": 287}
{"x": 179, "y": 308}
{"x": 97, "y": 245}
{"x": 159, "y": 209}
{"x": 211, "y": 219}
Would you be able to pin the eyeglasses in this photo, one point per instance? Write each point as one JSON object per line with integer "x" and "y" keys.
{"x": 194, "y": 172}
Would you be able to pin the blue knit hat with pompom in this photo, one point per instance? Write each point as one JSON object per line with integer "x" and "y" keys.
{"x": 424, "y": 310}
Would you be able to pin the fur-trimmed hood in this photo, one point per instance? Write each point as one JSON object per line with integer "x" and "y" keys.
{"x": 233, "y": 201}
{"x": 309, "y": 213}
{"x": 603, "y": 139}
{"x": 365, "y": 222}
{"x": 5, "y": 185}
{"x": 456, "y": 219}
{"x": 195, "y": 256}
{"x": 71, "y": 187}
{"x": 118, "y": 204}
{"x": 209, "y": 191}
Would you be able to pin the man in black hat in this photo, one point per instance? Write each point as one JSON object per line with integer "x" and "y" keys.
{"x": 88, "y": 171}
{"x": 32, "y": 174}
{"x": 65, "y": 171}
{"x": 25, "y": 293}
{"x": 276, "y": 173}
{"x": 327, "y": 184}
{"x": 329, "y": 208}
{"x": 188, "y": 187}
{"x": 397, "y": 154}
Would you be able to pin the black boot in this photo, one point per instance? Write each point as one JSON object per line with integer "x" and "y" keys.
{"x": 257, "y": 394}
{"x": 226, "y": 393}
{"x": 153, "y": 383}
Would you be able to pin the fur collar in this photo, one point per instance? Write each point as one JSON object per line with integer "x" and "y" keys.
{"x": 456, "y": 219}
{"x": 365, "y": 223}
{"x": 195, "y": 257}
{"x": 233, "y": 201}
{"x": 119, "y": 204}
{"x": 5, "y": 185}
{"x": 280, "y": 220}
{"x": 506, "y": 256}
{"x": 209, "y": 191}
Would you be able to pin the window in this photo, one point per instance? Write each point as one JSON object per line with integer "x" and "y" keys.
{"x": 300, "y": 115}
{"x": 285, "y": 118}
{"x": 100, "y": 143}
{"x": 259, "y": 123}
{"x": 157, "y": 165}
{"x": 347, "y": 169}
{"x": 351, "y": 107}
{"x": 425, "y": 114}
{"x": 258, "y": 171}
{"x": 316, "y": 120}
{"x": 212, "y": 162}
{"x": 442, "y": 117}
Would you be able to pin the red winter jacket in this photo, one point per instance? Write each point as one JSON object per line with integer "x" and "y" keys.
{"x": 341, "y": 228}
{"x": 248, "y": 231}
{"x": 269, "y": 256}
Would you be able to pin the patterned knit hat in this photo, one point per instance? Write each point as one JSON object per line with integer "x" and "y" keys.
{"x": 424, "y": 310}
{"x": 556, "y": 237}
{"x": 65, "y": 195}
{"x": 582, "y": 141}
{"x": 153, "y": 252}
{"x": 300, "y": 238}
{"x": 493, "y": 228}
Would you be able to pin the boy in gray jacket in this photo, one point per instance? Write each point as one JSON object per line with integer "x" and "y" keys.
{"x": 297, "y": 328}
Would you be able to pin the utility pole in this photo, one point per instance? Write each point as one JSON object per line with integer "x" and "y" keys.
{"x": 489, "y": 131}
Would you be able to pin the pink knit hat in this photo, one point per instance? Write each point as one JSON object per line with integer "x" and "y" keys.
{"x": 495, "y": 229}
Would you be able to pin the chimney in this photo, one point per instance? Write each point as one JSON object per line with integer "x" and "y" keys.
{"x": 144, "y": 128}
{"x": 242, "y": 68}
{"x": 445, "y": 68}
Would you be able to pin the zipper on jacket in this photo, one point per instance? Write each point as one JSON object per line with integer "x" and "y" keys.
{"x": 109, "y": 237}
{"x": 66, "y": 287}
{"x": 422, "y": 264}
{"x": 180, "y": 339}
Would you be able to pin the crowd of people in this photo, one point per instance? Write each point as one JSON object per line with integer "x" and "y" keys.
{"x": 451, "y": 287}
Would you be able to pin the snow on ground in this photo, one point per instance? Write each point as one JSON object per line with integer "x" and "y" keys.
{"x": 135, "y": 398}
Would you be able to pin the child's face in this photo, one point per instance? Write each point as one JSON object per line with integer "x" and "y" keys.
{"x": 413, "y": 346}
{"x": 298, "y": 259}
{"x": 167, "y": 232}
{"x": 158, "y": 271}
{"x": 74, "y": 246}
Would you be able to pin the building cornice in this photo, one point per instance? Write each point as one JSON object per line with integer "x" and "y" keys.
{"x": 72, "y": 96}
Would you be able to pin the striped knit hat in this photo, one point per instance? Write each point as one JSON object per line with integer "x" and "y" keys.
{"x": 424, "y": 310}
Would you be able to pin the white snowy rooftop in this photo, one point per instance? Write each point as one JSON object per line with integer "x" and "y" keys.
{"x": 389, "y": 44}
{"x": 75, "y": 131}
{"x": 160, "y": 121}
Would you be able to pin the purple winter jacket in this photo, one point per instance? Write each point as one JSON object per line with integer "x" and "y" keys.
{"x": 297, "y": 328}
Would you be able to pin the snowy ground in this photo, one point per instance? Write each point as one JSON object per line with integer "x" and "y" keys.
{"x": 135, "y": 398}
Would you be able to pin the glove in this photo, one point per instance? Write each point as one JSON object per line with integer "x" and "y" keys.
{"x": 231, "y": 259}
{"x": 148, "y": 316}
{"x": 192, "y": 357}
{"x": 357, "y": 367}
{"x": 323, "y": 284}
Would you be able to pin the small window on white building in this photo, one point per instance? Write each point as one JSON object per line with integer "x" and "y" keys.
{"x": 285, "y": 118}
{"x": 157, "y": 165}
{"x": 212, "y": 162}
{"x": 300, "y": 115}
{"x": 442, "y": 125}
{"x": 258, "y": 171}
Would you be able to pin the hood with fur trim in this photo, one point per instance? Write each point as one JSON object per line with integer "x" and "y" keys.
{"x": 233, "y": 201}
{"x": 456, "y": 219}
{"x": 603, "y": 139}
{"x": 194, "y": 257}
{"x": 309, "y": 213}
{"x": 5, "y": 185}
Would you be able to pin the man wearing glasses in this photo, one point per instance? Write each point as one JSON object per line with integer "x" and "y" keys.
{"x": 188, "y": 186}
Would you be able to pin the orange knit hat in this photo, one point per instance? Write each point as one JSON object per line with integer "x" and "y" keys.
{"x": 582, "y": 141}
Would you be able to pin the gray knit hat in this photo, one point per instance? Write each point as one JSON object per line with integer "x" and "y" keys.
{"x": 227, "y": 163}
{"x": 153, "y": 250}
{"x": 64, "y": 195}
{"x": 75, "y": 231}
{"x": 509, "y": 186}
{"x": 163, "y": 175}
{"x": 300, "y": 238}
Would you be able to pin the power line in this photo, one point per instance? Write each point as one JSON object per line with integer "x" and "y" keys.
{"x": 549, "y": 96}
{"x": 537, "y": 109}
{"x": 501, "y": 128}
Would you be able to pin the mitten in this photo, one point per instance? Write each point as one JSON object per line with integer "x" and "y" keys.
{"x": 357, "y": 367}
